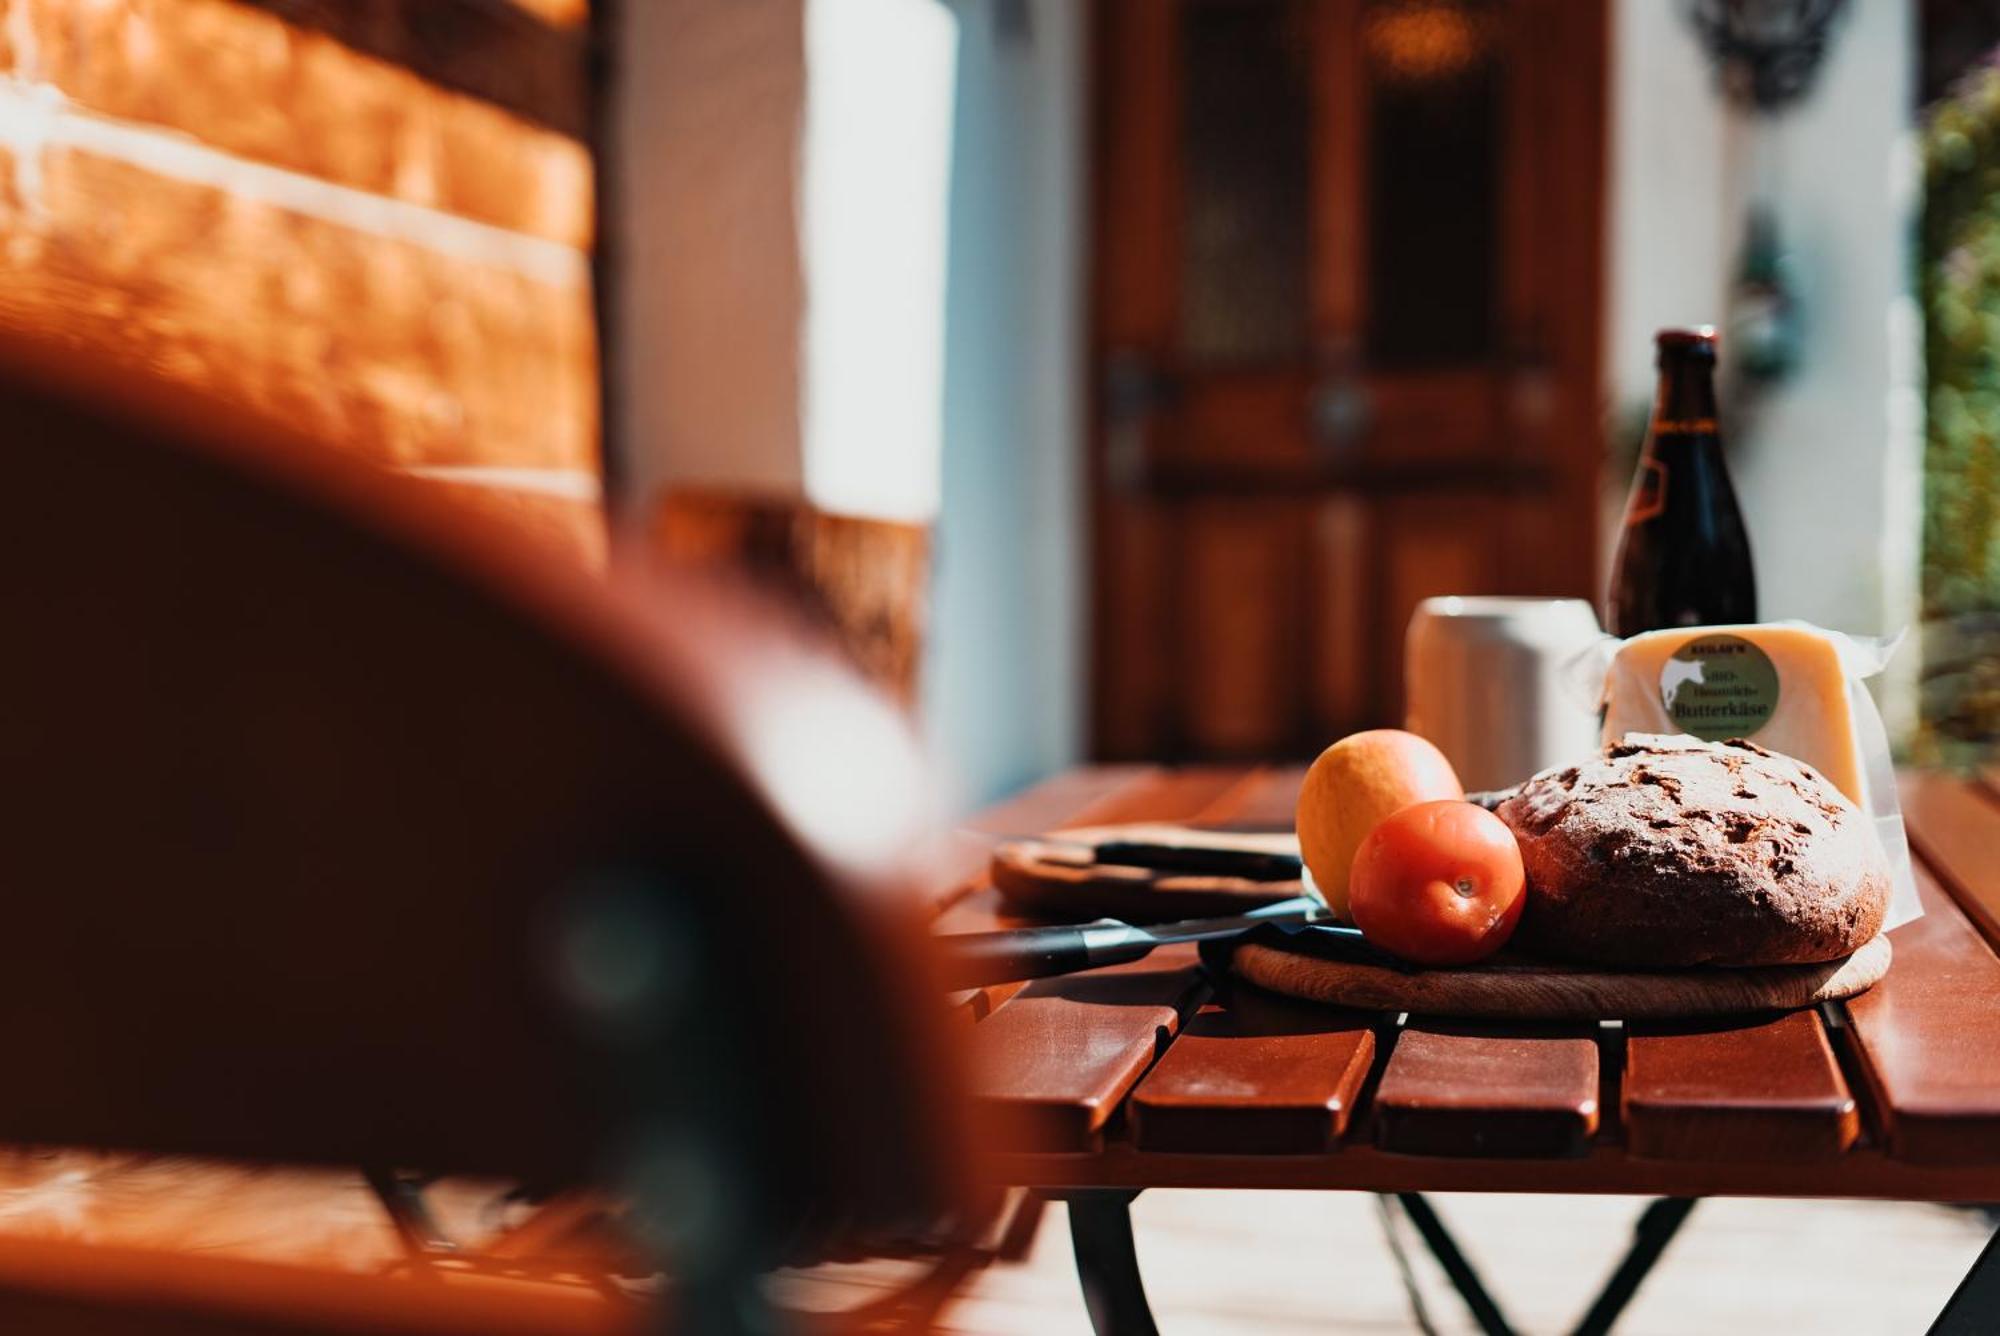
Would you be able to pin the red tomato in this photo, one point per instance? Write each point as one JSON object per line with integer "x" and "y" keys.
{"x": 1438, "y": 883}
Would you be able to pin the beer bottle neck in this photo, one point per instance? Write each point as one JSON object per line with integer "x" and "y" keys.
{"x": 1685, "y": 402}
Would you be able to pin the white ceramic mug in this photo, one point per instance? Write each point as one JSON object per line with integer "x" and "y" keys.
{"x": 1483, "y": 679}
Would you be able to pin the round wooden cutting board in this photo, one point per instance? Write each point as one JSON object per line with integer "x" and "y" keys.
{"x": 1533, "y": 990}
{"x": 1055, "y": 877}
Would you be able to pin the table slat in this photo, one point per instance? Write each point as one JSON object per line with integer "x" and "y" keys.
{"x": 1451, "y": 1089}
{"x": 1955, "y": 826}
{"x": 1193, "y": 794}
{"x": 1060, "y": 796}
{"x": 1260, "y": 1074}
{"x": 1927, "y": 1037}
{"x": 1269, "y": 801}
{"x": 979, "y": 910}
{"x": 1769, "y": 1090}
{"x": 1052, "y": 1065}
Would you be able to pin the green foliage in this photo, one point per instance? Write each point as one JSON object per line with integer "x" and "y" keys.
{"x": 1959, "y": 281}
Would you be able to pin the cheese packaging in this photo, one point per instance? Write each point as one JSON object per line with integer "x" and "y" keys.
{"x": 1782, "y": 687}
{"x": 1790, "y": 687}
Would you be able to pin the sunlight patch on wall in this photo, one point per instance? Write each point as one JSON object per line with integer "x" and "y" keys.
{"x": 880, "y": 76}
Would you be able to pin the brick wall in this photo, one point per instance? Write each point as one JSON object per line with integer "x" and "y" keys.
{"x": 370, "y": 218}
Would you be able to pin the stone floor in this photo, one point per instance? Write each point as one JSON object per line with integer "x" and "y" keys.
{"x": 1223, "y": 1262}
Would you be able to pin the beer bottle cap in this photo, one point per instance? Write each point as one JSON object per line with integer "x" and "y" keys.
{"x": 1697, "y": 343}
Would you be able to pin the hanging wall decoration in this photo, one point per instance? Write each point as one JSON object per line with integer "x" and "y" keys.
{"x": 1766, "y": 52}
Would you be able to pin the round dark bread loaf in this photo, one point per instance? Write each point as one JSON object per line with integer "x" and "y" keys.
{"x": 1669, "y": 851}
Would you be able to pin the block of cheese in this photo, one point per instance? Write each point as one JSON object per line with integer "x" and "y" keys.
{"x": 1781, "y": 686}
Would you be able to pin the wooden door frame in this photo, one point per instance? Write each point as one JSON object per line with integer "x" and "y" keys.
{"x": 1133, "y": 313}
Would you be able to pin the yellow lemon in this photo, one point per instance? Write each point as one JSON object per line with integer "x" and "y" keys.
{"x": 1354, "y": 784}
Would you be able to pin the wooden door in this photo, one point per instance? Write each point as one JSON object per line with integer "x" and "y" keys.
{"x": 1345, "y": 338}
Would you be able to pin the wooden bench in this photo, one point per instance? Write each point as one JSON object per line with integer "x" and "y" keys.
{"x": 344, "y": 831}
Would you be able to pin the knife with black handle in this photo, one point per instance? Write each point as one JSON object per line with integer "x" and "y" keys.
{"x": 1201, "y": 860}
{"x": 973, "y": 959}
{"x": 1192, "y": 856}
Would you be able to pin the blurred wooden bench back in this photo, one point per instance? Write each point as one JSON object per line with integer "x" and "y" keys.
{"x": 334, "y": 829}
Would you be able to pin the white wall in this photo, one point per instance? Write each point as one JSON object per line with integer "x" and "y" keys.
{"x": 780, "y": 242}
{"x": 1831, "y": 477}
{"x": 1005, "y": 681}
{"x": 706, "y": 131}
{"x": 831, "y": 258}
{"x": 877, "y": 170}
{"x": 1671, "y": 218}
{"x": 1828, "y": 470}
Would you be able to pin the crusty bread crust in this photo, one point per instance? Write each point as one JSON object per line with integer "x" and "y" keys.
{"x": 1669, "y": 851}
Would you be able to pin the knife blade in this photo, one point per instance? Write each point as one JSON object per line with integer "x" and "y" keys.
{"x": 973, "y": 959}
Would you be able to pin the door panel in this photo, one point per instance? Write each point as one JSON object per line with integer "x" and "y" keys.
{"x": 1245, "y": 173}
{"x": 1340, "y": 599}
{"x": 1132, "y": 627}
{"x": 1434, "y": 138}
{"x": 1240, "y": 653}
{"x": 1274, "y": 429}
{"x": 1345, "y": 327}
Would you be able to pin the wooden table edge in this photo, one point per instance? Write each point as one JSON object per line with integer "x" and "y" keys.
{"x": 1863, "y": 1173}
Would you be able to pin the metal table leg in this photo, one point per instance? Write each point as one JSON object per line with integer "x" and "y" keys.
{"x": 1974, "y": 1309}
{"x": 1655, "y": 1230}
{"x": 1107, "y": 1264}
{"x": 402, "y": 1196}
{"x": 1463, "y": 1278}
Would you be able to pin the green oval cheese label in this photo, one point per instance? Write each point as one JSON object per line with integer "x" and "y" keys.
{"x": 1718, "y": 687}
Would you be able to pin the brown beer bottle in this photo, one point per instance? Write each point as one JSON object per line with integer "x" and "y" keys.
{"x": 1683, "y": 558}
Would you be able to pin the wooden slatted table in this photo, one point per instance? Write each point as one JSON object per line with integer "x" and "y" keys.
{"x": 1097, "y": 1086}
